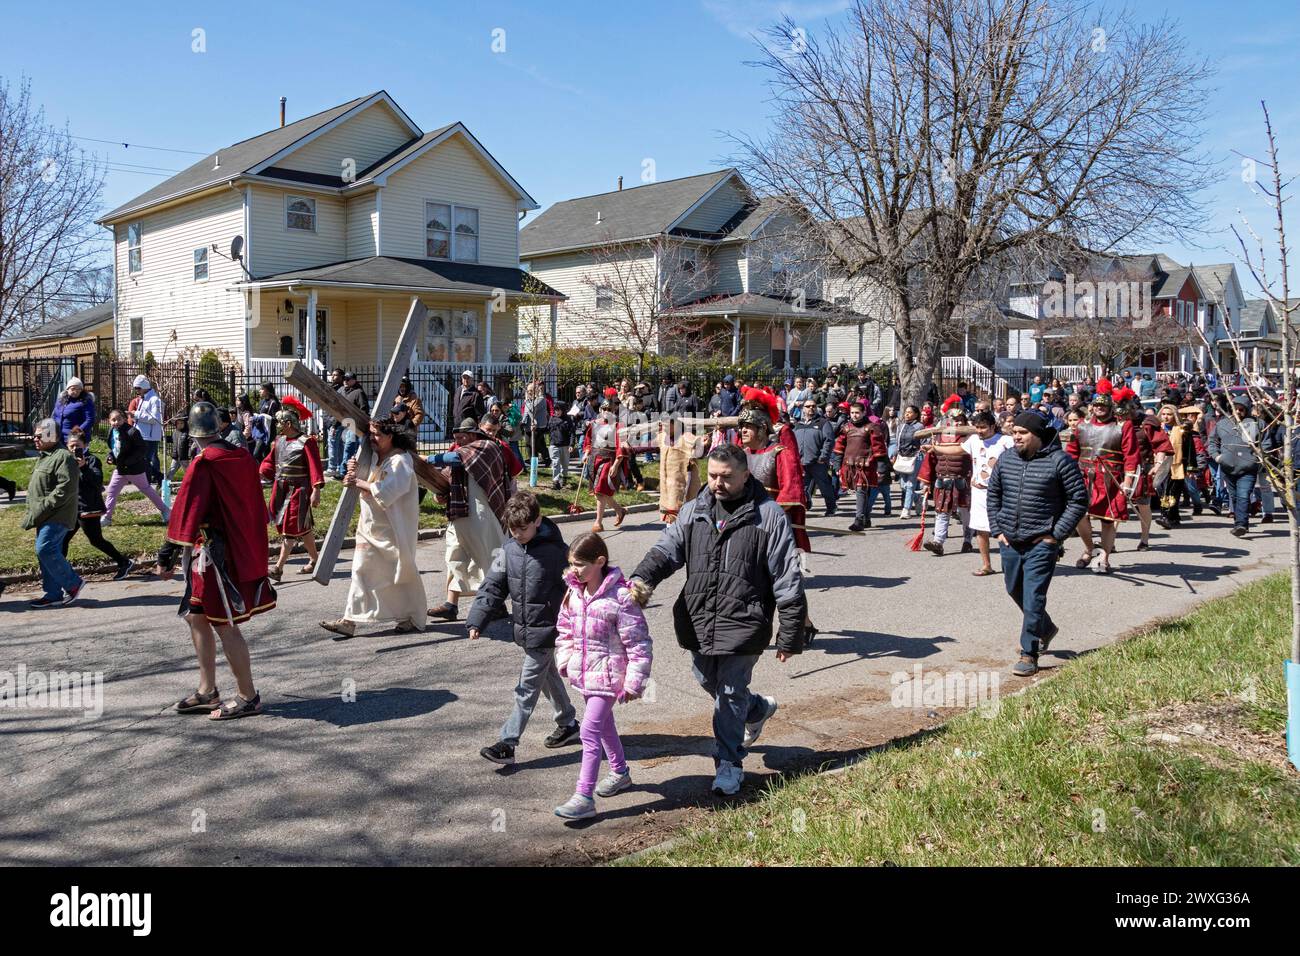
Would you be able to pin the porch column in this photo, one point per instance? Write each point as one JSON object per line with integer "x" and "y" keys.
{"x": 487, "y": 334}
{"x": 379, "y": 334}
{"x": 861, "y": 329}
{"x": 309, "y": 351}
{"x": 787, "y": 344}
{"x": 555, "y": 323}
{"x": 735, "y": 340}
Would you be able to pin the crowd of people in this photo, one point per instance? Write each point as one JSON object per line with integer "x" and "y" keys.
{"x": 1025, "y": 471}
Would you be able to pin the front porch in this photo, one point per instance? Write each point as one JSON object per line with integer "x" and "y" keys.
{"x": 785, "y": 334}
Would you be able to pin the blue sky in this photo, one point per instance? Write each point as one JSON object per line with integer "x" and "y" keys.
{"x": 583, "y": 93}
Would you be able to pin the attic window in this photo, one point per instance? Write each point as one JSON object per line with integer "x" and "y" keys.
{"x": 300, "y": 213}
{"x": 604, "y": 297}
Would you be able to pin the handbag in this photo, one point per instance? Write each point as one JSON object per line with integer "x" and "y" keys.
{"x": 905, "y": 464}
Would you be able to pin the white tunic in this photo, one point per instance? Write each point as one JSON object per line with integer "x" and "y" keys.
{"x": 386, "y": 582}
{"x": 983, "y": 453}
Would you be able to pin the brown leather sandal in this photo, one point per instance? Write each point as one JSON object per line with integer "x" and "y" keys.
{"x": 199, "y": 703}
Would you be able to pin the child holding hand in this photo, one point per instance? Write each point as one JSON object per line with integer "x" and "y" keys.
{"x": 604, "y": 650}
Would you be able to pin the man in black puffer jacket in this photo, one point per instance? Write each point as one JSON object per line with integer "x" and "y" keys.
{"x": 529, "y": 570}
{"x": 1035, "y": 498}
{"x": 741, "y": 568}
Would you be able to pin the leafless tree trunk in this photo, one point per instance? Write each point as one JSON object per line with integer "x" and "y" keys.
{"x": 946, "y": 145}
{"x": 49, "y": 194}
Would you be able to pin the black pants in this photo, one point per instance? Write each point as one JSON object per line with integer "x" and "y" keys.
{"x": 7, "y": 486}
{"x": 635, "y": 467}
{"x": 817, "y": 476}
{"x": 536, "y": 445}
{"x": 95, "y": 534}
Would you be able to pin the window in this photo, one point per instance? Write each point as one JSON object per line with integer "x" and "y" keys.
{"x": 465, "y": 248}
{"x": 133, "y": 247}
{"x": 137, "y": 339}
{"x": 300, "y": 213}
{"x": 451, "y": 335}
{"x": 604, "y": 297}
{"x": 688, "y": 264}
{"x": 778, "y": 263}
{"x": 450, "y": 232}
{"x": 201, "y": 264}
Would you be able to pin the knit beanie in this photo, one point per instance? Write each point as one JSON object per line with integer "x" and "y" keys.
{"x": 1035, "y": 424}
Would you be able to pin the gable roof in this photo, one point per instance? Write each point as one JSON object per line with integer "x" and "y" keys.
{"x": 1253, "y": 314}
{"x": 636, "y": 213}
{"x": 1169, "y": 285}
{"x": 67, "y": 326}
{"x": 239, "y": 158}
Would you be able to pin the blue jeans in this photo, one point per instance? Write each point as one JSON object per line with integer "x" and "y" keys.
{"x": 1193, "y": 492}
{"x": 57, "y": 575}
{"x": 153, "y": 469}
{"x": 336, "y": 460}
{"x": 1028, "y": 570}
{"x": 909, "y": 489}
{"x": 815, "y": 473}
{"x": 726, "y": 679}
{"x": 1239, "y": 489}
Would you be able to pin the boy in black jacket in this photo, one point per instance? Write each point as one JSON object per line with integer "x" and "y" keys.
{"x": 529, "y": 569}
{"x": 90, "y": 504}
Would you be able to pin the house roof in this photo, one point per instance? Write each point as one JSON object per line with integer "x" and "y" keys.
{"x": 1214, "y": 279}
{"x": 259, "y": 157}
{"x": 635, "y": 213}
{"x": 68, "y": 326}
{"x": 1169, "y": 286}
{"x": 416, "y": 275}
{"x": 236, "y": 159}
{"x": 767, "y": 306}
{"x": 1252, "y": 316}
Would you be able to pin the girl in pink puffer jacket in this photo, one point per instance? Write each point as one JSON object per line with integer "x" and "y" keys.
{"x": 604, "y": 649}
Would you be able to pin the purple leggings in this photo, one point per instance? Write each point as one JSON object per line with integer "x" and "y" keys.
{"x": 598, "y": 731}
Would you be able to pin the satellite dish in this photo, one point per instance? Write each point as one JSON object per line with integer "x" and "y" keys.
{"x": 237, "y": 248}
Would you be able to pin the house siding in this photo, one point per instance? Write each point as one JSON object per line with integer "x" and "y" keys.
{"x": 450, "y": 172}
{"x": 576, "y": 326}
{"x": 362, "y": 235}
{"x": 730, "y": 272}
{"x": 164, "y": 292}
{"x": 717, "y": 209}
{"x": 365, "y": 138}
{"x": 279, "y": 248}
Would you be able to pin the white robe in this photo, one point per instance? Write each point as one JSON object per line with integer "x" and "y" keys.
{"x": 983, "y": 456}
{"x": 472, "y": 543}
{"x": 386, "y": 582}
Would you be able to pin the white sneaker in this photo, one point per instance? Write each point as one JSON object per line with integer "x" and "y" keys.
{"x": 614, "y": 783}
{"x": 577, "y": 807}
{"x": 753, "y": 730}
{"x": 728, "y": 779}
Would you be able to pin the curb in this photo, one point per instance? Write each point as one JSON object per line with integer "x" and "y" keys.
{"x": 425, "y": 534}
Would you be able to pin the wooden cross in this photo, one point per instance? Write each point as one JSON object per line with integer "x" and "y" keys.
{"x": 342, "y": 410}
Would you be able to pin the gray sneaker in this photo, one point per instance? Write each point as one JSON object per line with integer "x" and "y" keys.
{"x": 577, "y": 807}
{"x": 614, "y": 783}
{"x": 753, "y": 730}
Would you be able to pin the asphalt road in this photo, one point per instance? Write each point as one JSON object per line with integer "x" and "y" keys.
{"x": 394, "y": 776}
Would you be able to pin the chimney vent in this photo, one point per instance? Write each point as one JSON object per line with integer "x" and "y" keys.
{"x": 620, "y": 184}
{"x": 216, "y": 161}
{"x": 598, "y": 218}
{"x": 282, "y": 101}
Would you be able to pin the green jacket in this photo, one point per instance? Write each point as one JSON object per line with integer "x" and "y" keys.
{"x": 52, "y": 490}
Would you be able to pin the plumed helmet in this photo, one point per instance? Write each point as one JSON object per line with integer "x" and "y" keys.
{"x": 203, "y": 422}
{"x": 758, "y": 409}
{"x": 288, "y": 419}
{"x": 1103, "y": 399}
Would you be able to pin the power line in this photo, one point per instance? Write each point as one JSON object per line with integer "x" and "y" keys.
{"x": 161, "y": 149}
{"x": 151, "y": 168}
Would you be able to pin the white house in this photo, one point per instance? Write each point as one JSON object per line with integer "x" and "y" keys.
{"x": 310, "y": 240}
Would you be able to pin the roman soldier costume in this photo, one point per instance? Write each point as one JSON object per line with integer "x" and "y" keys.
{"x": 865, "y": 447}
{"x": 946, "y": 466}
{"x": 294, "y": 468}
{"x": 221, "y": 514}
{"x": 1109, "y": 456}
{"x": 610, "y": 471}
{"x": 777, "y": 466}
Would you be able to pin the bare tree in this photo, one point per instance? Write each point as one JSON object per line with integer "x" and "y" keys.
{"x": 637, "y": 289}
{"x": 1274, "y": 284}
{"x": 49, "y": 193}
{"x": 944, "y": 143}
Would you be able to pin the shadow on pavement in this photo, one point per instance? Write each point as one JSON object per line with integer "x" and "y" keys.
{"x": 370, "y": 707}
